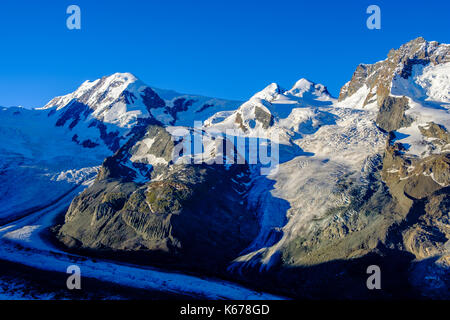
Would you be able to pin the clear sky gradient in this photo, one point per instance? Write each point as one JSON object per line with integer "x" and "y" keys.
{"x": 228, "y": 49}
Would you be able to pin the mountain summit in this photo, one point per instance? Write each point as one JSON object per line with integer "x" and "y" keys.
{"x": 117, "y": 99}
{"x": 304, "y": 86}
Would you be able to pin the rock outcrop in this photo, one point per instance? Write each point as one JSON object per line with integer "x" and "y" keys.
{"x": 192, "y": 215}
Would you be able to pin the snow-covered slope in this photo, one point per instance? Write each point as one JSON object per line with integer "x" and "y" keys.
{"x": 39, "y": 162}
{"x": 186, "y": 109}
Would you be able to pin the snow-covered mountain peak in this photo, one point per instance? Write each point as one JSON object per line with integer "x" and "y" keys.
{"x": 409, "y": 90}
{"x": 420, "y": 48}
{"x": 117, "y": 79}
{"x": 371, "y": 83}
{"x": 96, "y": 94}
{"x": 121, "y": 98}
{"x": 269, "y": 93}
{"x": 317, "y": 91}
{"x": 125, "y": 76}
{"x": 302, "y": 85}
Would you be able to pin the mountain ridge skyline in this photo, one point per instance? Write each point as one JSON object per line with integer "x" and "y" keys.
{"x": 180, "y": 92}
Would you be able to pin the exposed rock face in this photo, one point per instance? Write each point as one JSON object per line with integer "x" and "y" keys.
{"x": 266, "y": 119}
{"x": 191, "y": 213}
{"x": 436, "y": 131}
{"x": 392, "y": 114}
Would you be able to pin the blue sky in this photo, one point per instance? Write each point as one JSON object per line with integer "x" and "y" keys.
{"x": 228, "y": 49}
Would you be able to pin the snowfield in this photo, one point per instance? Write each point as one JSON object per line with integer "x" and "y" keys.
{"x": 428, "y": 92}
